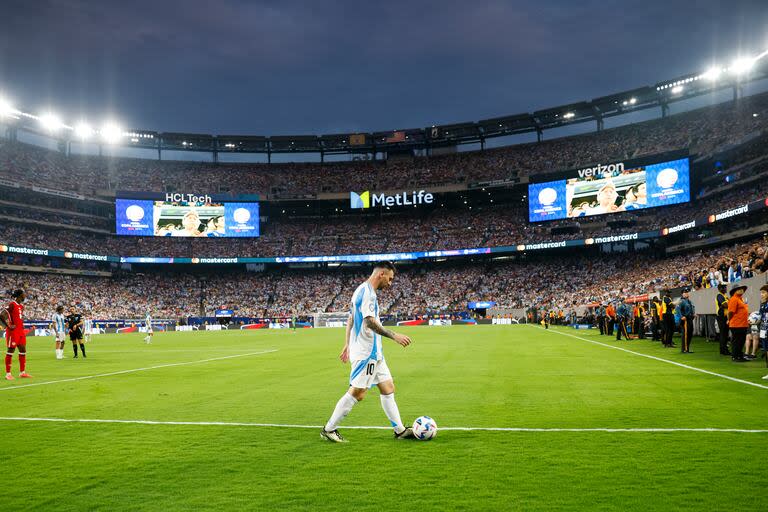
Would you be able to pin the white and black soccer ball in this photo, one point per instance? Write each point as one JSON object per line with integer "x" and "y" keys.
{"x": 754, "y": 318}
{"x": 424, "y": 428}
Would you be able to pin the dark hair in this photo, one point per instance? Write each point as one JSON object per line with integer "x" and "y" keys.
{"x": 17, "y": 293}
{"x": 385, "y": 265}
{"x": 59, "y": 309}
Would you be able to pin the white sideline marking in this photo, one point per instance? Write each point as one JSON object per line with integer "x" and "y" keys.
{"x": 351, "y": 427}
{"x": 682, "y": 365}
{"x": 121, "y": 372}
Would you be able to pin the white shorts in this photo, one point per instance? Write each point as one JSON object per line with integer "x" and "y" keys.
{"x": 366, "y": 373}
{"x": 60, "y": 337}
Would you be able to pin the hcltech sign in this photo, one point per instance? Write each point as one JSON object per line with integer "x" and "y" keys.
{"x": 371, "y": 200}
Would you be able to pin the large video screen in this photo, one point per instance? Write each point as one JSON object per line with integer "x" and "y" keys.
{"x": 612, "y": 188}
{"x": 139, "y": 217}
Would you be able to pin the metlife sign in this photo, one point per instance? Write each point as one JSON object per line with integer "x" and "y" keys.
{"x": 369, "y": 199}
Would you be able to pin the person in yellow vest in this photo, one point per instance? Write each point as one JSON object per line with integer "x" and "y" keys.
{"x": 656, "y": 318}
{"x": 638, "y": 325}
{"x": 668, "y": 318}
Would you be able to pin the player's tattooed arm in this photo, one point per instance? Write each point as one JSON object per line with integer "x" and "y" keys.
{"x": 376, "y": 327}
{"x": 379, "y": 329}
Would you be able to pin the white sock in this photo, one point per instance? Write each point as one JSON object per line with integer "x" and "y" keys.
{"x": 343, "y": 406}
{"x": 390, "y": 409}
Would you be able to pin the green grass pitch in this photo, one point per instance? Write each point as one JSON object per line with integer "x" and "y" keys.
{"x": 470, "y": 376}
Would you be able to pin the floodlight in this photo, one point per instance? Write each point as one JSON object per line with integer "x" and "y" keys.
{"x": 111, "y": 133}
{"x": 677, "y": 89}
{"x": 742, "y": 65}
{"x": 712, "y": 73}
{"x": 50, "y": 122}
{"x": 83, "y": 130}
{"x": 6, "y": 109}
{"x": 569, "y": 115}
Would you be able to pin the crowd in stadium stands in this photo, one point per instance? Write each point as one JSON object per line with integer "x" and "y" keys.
{"x": 559, "y": 281}
{"x": 443, "y": 228}
{"x": 701, "y": 131}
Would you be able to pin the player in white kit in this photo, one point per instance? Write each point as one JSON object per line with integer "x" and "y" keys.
{"x": 148, "y": 337}
{"x": 362, "y": 346}
{"x": 59, "y": 322}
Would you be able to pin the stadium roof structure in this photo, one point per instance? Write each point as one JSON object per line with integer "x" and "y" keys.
{"x": 660, "y": 95}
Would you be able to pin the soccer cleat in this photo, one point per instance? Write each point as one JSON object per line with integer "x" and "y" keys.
{"x": 765, "y": 377}
{"x": 405, "y": 434}
{"x": 332, "y": 436}
{"x": 25, "y": 375}
{"x": 8, "y": 376}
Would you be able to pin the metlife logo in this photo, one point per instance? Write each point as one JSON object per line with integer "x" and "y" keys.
{"x": 367, "y": 199}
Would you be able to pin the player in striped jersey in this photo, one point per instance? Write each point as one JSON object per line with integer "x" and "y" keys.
{"x": 59, "y": 322}
{"x": 362, "y": 346}
{"x": 148, "y": 324}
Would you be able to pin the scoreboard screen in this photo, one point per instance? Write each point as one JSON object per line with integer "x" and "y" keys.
{"x": 611, "y": 188}
{"x": 199, "y": 217}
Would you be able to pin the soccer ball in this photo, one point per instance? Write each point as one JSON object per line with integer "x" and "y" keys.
{"x": 754, "y": 318}
{"x": 424, "y": 428}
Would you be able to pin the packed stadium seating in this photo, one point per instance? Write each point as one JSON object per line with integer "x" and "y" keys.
{"x": 701, "y": 131}
{"x": 565, "y": 282}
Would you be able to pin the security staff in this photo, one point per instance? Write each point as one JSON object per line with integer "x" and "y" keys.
{"x": 656, "y": 318}
{"x": 668, "y": 318}
{"x": 622, "y": 315}
{"x": 600, "y": 317}
{"x": 687, "y": 314}
{"x": 610, "y": 313}
{"x": 638, "y": 326}
{"x": 722, "y": 319}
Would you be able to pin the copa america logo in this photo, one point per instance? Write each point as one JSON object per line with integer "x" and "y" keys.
{"x": 241, "y": 215}
{"x": 667, "y": 178}
{"x": 134, "y": 213}
{"x": 547, "y": 196}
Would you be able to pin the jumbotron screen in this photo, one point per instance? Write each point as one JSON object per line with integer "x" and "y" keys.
{"x": 182, "y": 218}
{"x": 611, "y": 188}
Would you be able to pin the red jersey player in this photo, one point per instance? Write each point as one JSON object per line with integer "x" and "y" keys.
{"x": 15, "y": 336}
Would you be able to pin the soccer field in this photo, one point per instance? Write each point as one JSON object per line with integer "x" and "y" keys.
{"x": 230, "y": 420}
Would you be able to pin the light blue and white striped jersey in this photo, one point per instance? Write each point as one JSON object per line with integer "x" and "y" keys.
{"x": 363, "y": 342}
{"x": 59, "y": 322}
{"x": 148, "y": 321}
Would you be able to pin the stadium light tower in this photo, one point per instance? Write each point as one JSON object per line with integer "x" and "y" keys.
{"x": 83, "y": 130}
{"x": 50, "y": 122}
{"x": 742, "y": 65}
{"x": 111, "y": 133}
{"x": 712, "y": 73}
{"x": 6, "y": 109}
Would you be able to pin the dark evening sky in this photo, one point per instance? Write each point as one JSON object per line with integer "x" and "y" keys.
{"x": 292, "y": 67}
